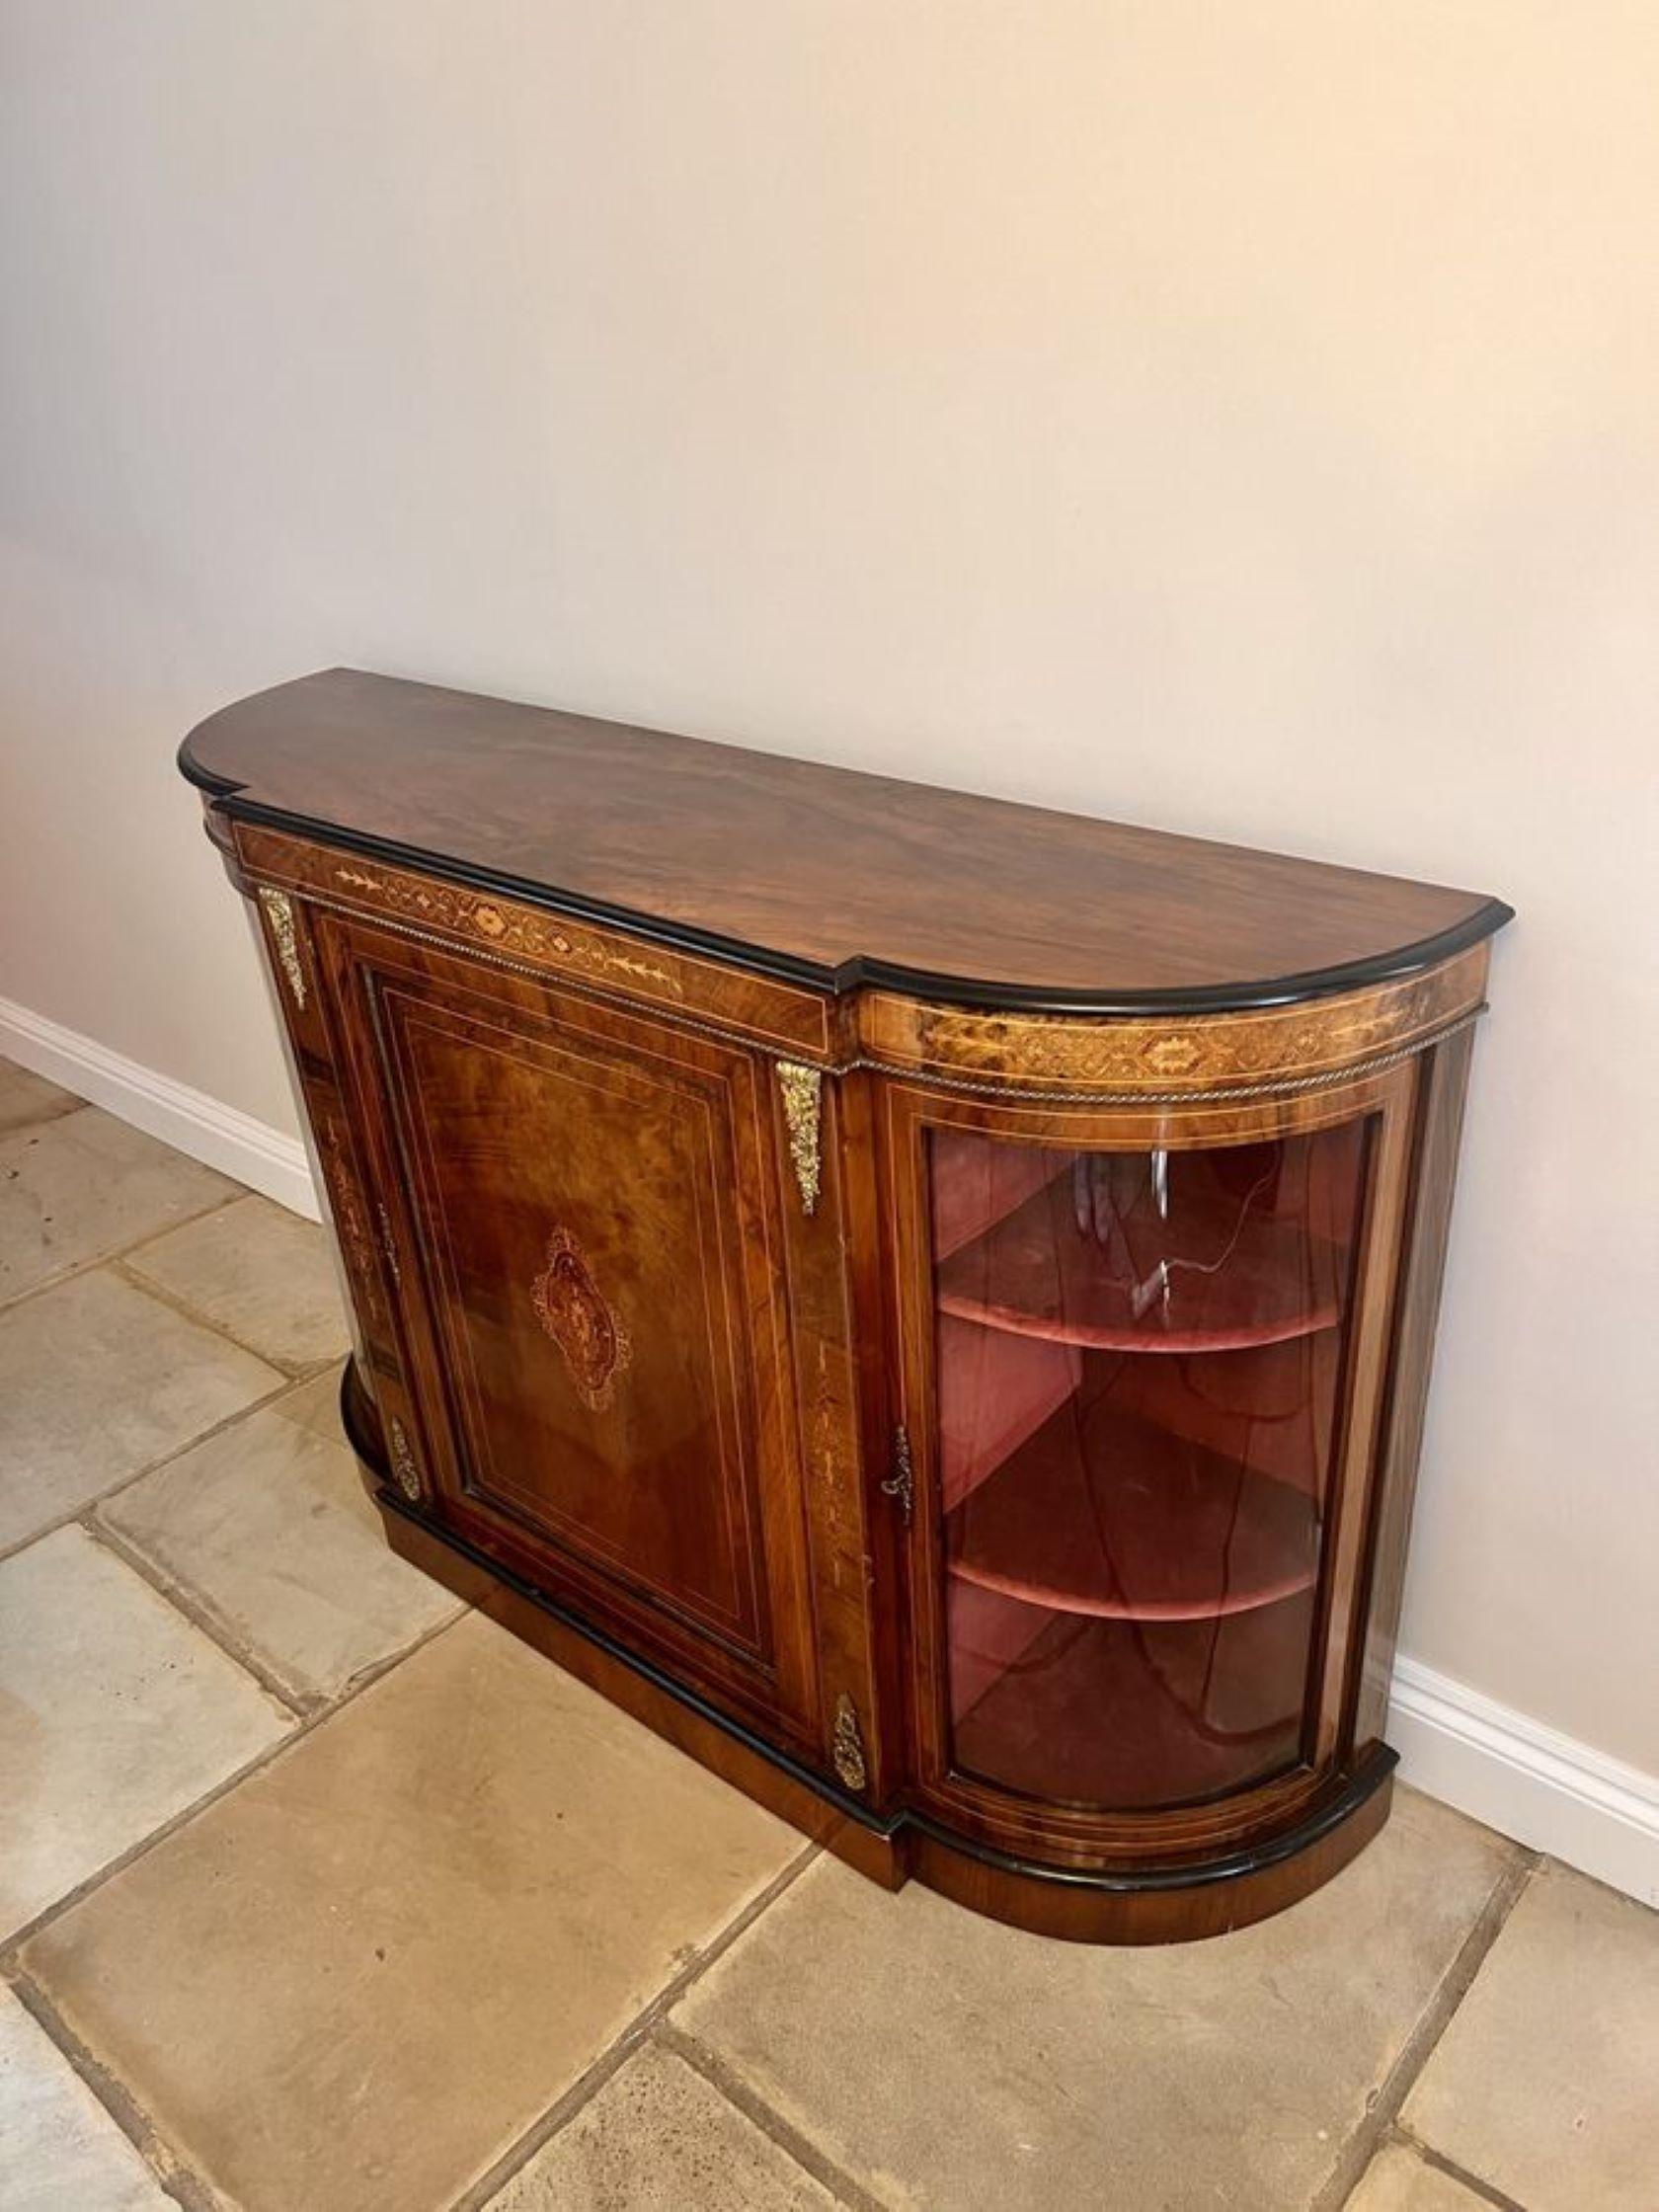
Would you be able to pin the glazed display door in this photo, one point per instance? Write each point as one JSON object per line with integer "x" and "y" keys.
{"x": 584, "y": 1208}
{"x": 1131, "y": 1368}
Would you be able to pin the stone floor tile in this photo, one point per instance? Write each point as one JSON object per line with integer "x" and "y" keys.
{"x": 59, "y": 2150}
{"x": 258, "y": 1272}
{"x": 266, "y": 1528}
{"x": 657, "y": 2138}
{"x": 445, "y": 1900}
{"x": 85, "y": 1186}
{"x": 96, "y": 1380}
{"x": 114, "y": 1715}
{"x": 26, "y": 1097}
{"x": 1545, "y": 2083}
{"x": 946, "y": 2060}
{"x": 315, "y": 1405}
{"x": 1399, "y": 2181}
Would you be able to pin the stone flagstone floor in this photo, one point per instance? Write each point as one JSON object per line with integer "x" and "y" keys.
{"x": 319, "y": 1893}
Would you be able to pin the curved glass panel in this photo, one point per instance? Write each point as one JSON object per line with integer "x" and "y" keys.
{"x": 1140, "y": 1358}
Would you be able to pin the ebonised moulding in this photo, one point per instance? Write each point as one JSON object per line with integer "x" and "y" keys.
{"x": 925, "y": 1302}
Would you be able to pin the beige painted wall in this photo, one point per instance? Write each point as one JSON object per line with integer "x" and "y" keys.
{"x": 1239, "y": 416}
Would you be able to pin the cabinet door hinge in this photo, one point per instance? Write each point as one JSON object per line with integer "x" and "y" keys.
{"x": 848, "y": 1745}
{"x": 900, "y": 1483}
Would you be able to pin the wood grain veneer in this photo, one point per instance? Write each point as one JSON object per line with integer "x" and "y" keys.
{"x": 846, "y": 878}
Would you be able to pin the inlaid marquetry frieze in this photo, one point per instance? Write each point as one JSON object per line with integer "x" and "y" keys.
{"x": 519, "y": 935}
{"x": 1157, "y": 1057}
{"x": 493, "y": 921}
{"x": 1140, "y": 1056}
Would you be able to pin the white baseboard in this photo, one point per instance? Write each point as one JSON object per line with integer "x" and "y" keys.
{"x": 1529, "y": 1781}
{"x": 1516, "y": 1775}
{"x": 234, "y": 1142}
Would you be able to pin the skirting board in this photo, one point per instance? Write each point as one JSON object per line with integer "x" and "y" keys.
{"x": 1526, "y": 1780}
{"x": 1491, "y": 1762}
{"x": 219, "y": 1136}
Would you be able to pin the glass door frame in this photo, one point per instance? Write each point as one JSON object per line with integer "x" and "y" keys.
{"x": 999, "y": 1817}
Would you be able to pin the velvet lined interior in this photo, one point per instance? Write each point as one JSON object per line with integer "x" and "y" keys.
{"x": 1140, "y": 1360}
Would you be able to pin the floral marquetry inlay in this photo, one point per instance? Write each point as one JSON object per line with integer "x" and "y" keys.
{"x": 606, "y": 962}
{"x": 1129, "y": 1056}
{"x": 349, "y": 1216}
{"x": 582, "y": 1323}
{"x": 509, "y": 928}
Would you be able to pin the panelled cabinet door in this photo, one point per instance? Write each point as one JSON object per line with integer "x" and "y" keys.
{"x": 1141, "y": 1378}
{"x": 587, "y": 1209}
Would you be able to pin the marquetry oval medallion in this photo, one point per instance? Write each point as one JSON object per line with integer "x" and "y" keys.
{"x": 577, "y": 1315}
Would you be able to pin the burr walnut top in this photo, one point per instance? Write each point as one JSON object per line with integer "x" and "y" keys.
{"x": 833, "y": 878}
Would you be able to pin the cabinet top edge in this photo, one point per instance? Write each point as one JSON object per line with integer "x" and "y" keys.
{"x": 826, "y": 877}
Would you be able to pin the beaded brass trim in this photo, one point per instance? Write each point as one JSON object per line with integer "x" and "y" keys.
{"x": 848, "y": 1745}
{"x": 803, "y": 1114}
{"x": 582, "y": 1323}
{"x": 278, "y": 911}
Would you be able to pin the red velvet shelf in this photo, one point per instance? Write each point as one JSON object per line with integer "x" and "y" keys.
{"x": 976, "y": 1185}
{"x": 1108, "y": 1714}
{"x": 1036, "y": 1273}
{"x": 1104, "y": 1514}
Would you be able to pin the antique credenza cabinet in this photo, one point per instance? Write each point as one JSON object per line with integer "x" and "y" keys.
{"x": 926, "y": 1303}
